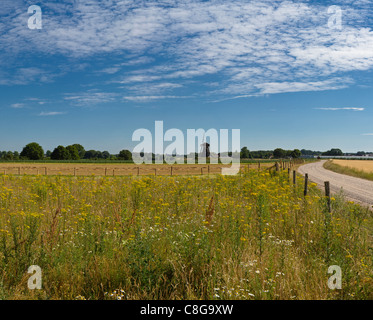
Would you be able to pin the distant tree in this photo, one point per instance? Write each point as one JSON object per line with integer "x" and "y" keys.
{"x": 60, "y": 153}
{"x": 16, "y": 155}
{"x": 279, "y": 153}
{"x": 8, "y": 156}
{"x": 333, "y": 152}
{"x": 48, "y": 153}
{"x": 361, "y": 153}
{"x": 91, "y": 154}
{"x": 33, "y": 151}
{"x": 106, "y": 154}
{"x": 73, "y": 152}
{"x": 99, "y": 155}
{"x": 80, "y": 149}
{"x": 125, "y": 155}
{"x": 245, "y": 153}
{"x": 295, "y": 153}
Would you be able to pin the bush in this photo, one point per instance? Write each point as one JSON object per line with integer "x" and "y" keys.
{"x": 60, "y": 153}
{"x": 33, "y": 151}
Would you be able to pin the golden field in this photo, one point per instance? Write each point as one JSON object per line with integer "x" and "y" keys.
{"x": 250, "y": 236}
{"x": 363, "y": 165}
{"x": 355, "y": 168}
{"x": 112, "y": 169}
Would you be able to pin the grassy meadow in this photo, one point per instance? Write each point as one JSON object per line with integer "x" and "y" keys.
{"x": 355, "y": 168}
{"x": 250, "y": 236}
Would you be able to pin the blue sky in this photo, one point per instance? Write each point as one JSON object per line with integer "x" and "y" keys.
{"x": 99, "y": 70}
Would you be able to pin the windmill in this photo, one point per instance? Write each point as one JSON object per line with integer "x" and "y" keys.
{"x": 205, "y": 148}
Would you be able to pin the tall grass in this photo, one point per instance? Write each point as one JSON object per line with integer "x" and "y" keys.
{"x": 248, "y": 237}
{"x": 330, "y": 165}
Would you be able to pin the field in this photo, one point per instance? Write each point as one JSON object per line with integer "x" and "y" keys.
{"x": 115, "y": 169}
{"x": 253, "y": 236}
{"x": 356, "y": 168}
{"x": 363, "y": 165}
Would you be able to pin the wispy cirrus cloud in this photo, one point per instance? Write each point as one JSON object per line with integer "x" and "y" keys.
{"x": 18, "y": 105}
{"x": 250, "y": 48}
{"x": 91, "y": 97}
{"x": 152, "y": 98}
{"x": 339, "y": 109}
{"x": 51, "y": 114}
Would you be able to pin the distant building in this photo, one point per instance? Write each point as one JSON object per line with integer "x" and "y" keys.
{"x": 205, "y": 150}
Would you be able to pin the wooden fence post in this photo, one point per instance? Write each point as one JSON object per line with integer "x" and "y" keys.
{"x": 105, "y": 172}
{"x": 306, "y": 184}
{"x": 277, "y": 166}
{"x": 138, "y": 171}
{"x": 294, "y": 177}
{"x": 327, "y": 194}
{"x": 171, "y": 171}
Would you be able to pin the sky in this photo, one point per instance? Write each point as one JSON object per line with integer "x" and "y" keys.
{"x": 289, "y": 74}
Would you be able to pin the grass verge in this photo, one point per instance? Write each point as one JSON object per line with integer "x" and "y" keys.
{"x": 329, "y": 165}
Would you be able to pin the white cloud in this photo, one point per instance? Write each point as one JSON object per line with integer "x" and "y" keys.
{"x": 152, "y": 98}
{"x": 91, "y": 97}
{"x": 153, "y": 88}
{"x": 256, "y": 47}
{"x": 17, "y": 105}
{"x": 338, "y": 109}
{"x": 51, "y": 113}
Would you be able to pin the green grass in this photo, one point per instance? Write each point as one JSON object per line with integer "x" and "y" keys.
{"x": 253, "y": 236}
{"x": 329, "y": 165}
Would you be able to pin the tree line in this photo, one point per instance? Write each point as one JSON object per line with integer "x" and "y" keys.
{"x": 33, "y": 151}
{"x": 280, "y": 153}
{"x": 277, "y": 154}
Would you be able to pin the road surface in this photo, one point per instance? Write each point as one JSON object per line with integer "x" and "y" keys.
{"x": 355, "y": 189}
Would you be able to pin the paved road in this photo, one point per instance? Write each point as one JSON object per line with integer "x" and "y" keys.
{"x": 355, "y": 189}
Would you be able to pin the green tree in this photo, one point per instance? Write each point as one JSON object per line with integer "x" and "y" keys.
{"x": 296, "y": 153}
{"x": 279, "y": 153}
{"x": 60, "y": 153}
{"x": 80, "y": 149}
{"x": 333, "y": 152}
{"x": 33, "y": 151}
{"x": 9, "y": 156}
{"x": 90, "y": 154}
{"x": 125, "y": 155}
{"x": 73, "y": 152}
{"x": 245, "y": 153}
{"x": 106, "y": 154}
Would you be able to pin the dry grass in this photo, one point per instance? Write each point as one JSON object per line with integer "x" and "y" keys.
{"x": 250, "y": 236}
{"x": 355, "y": 168}
{"x": 363, "y": 165}
{"x": 71, "y": 169}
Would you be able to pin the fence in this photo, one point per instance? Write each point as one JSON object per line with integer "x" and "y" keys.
{"x": 157, "y": 170}
{"x": 133, "y": 170}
